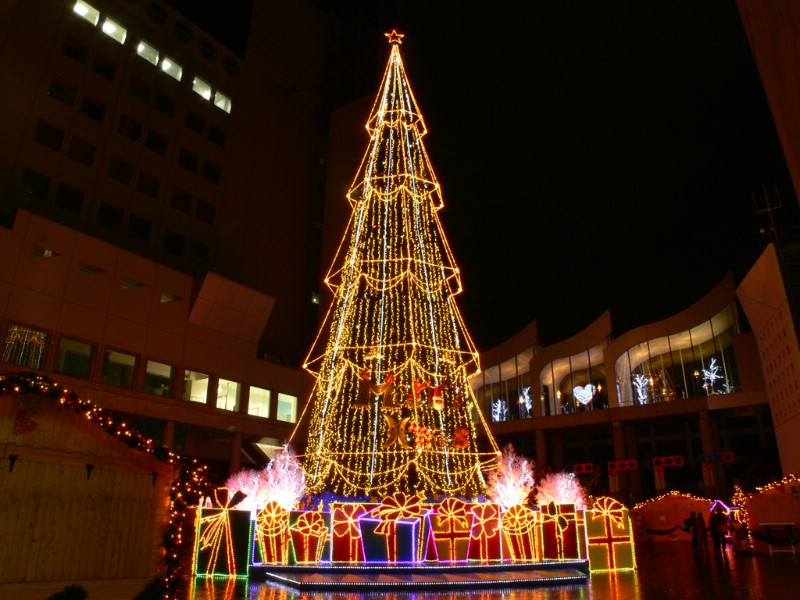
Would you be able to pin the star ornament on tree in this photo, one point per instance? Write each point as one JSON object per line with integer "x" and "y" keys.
{"x": 395, "y": 37}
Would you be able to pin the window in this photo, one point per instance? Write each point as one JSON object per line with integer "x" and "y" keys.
{"x": 93, "y": 109}
{"x": 131, "y": 284}
{"x": 61, "y": 90}
{"x": 205, "y": 212}
{"x": 199, "y": 253}
{"x": 139, "y": 228}
{"x": 157, "y": 378}
{"x": 118, "y": 369}
{"x": 287, "y": 408}
{"x": 120, "y": 170}
{"x": 156, "y": 142}
{"x": 110, "y": 216}
{"x": 148, "y": 52}
{"x": 167, "y": 297}
{"x": 130, "y": 128}
{"x": 81, "y": 151}
{"x": 49, "y": 135}
{"x": 24, "y": 346}
{"x": 139, "y": 88}
{"x": 195, "y": 387}
{"x": 74, "y": 358}
{"x": 228, "y": 395}
{"x": 201, "y": 88}
{"x": 171, "y": 68}
{"x": 222, "y": 101}
{"x": 195, "y": 122}
{"x": 35, "y": 184}
{"x": 87, "y": 12}
{"x": 174, "y": 243}
{"x": 217, "y": 136}
{"x": 148, "y": 184}
{"x": 104, "y": 67}
{"x": 114, "y": 30}
{"x": 42, "y": 252}
{"x": 165, "y": 104}
{"x": 181, "y": 200}
{"x": 75, "y": 49}
{"x": 259, "y": 402}
{"x": 188, "y": 160}
{"x": 69, "y": 199}
{"x": 211, "y": 172}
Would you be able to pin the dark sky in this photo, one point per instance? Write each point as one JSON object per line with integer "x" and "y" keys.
{"x": 593, "y": 154}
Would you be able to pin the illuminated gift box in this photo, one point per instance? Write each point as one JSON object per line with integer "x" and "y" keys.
{"x": 272, "y": 535}
{"x": 396, "y": 530}
{"x": 223, "y": 537}
{"x": 610, "y": 538}
{"x": 559, "y": 529}
{"x": 520, "y": 526}
{"x": 309, "y": 532}
{"x": 451, "y": 523}
{"x": 485, "y": 538}
{"x": 346, "y": 544}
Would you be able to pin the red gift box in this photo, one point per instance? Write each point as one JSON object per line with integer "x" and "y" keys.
{"x": 309, "y": 535}
{"x": 485, "y": 541}
{"x": 559, "y": 531}
{"x": 345, "y": 532}
{"x": 451, "y": 523}
{"x": 519, "y": 528}
{"x": 272, "y": 534}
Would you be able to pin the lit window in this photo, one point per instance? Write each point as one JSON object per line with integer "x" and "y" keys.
{"x": 202, "y": 88}
{"x": 171, "y": 68}
{"x": 118, "y": 369}
{"x": 147, "y": 52}
{"x": 195, "y": 386}
{"x": 228, "y": 395}
{"x": 114, "y": 30}
{"x": 24, "y": 346}
{"x": 222, "y": 101}
{"x": 287, "y": 408}
{"x": 259, "y": 402}
{"x": 86, "y": 12}
{"x": 158, "y": 378}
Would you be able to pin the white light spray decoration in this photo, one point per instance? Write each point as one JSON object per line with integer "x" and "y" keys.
{"x": 641, "y": 383}
{"x": 710, "y": 375}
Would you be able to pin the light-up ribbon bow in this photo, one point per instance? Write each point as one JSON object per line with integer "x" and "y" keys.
{"x": 518, "y": 520}
{"x": 218, "y": 529}
{"x": 311, "y": 525}
{"x": 453, "y": 513}
{"x": 393, "y": 508}
{"x": 609, "y": 508}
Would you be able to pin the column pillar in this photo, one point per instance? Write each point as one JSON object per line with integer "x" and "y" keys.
{"x": 709, "y": 449}
{"x": 541, "y": 448}
{"x": 235, "y": 462}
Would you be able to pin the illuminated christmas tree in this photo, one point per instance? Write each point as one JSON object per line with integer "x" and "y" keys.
{"x": 392, "y": 408}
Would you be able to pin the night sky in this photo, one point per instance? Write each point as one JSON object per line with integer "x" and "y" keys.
{"x": 592, "y": 154}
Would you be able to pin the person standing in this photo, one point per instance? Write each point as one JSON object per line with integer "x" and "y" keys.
{"x": 702, "y": 534}
{"x": 718, "y": 524}
{"x": 691, "y": 527}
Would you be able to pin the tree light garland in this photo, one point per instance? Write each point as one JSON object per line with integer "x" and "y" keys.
{"x": 392, "y": 408}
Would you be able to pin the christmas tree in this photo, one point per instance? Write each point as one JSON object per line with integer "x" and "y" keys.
{"x": 392, "y": 408}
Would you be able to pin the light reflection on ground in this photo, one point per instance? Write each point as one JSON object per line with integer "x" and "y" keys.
{"x": 666, "y": 571}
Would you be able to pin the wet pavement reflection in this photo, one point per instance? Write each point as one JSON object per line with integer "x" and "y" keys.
{"x": 665, "y": 570}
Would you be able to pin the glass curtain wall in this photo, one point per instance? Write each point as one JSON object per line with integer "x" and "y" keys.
{"x": 574, "y": 383}
{"x": 696, "y": 362}
{"x": 504, "y": 391}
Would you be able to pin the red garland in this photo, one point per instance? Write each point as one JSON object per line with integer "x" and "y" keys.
{"x": 187, "y": 489}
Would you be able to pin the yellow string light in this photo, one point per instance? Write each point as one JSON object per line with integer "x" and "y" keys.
{"x": 392, "y": 408}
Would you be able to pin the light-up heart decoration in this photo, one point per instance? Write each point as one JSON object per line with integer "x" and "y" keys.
{"x": 584, "y": 394}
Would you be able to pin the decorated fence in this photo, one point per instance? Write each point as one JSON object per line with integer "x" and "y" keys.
{"x": 401, "y": 529}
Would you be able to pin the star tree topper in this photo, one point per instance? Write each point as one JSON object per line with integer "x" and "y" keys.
{"x": 395, "y": 37}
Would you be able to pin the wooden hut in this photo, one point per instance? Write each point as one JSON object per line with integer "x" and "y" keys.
{"x": 77, "y": 506}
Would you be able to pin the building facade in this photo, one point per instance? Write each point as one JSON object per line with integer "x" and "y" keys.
{"x": 160, "y": 212}
{"x": 677, "y": 404}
